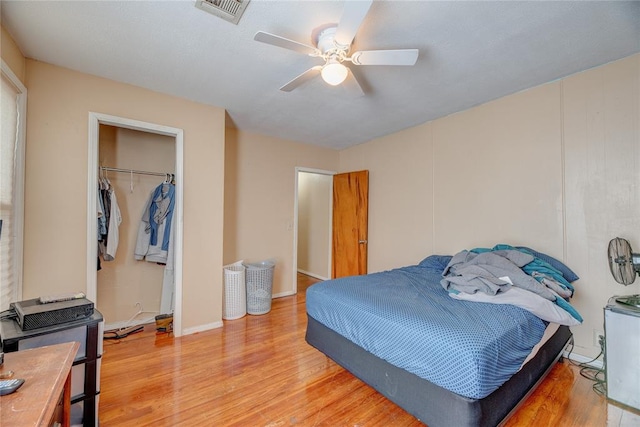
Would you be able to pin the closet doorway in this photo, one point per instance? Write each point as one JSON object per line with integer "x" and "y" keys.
{"x": 312, "y": 224}
{"x": 132, "y": 186}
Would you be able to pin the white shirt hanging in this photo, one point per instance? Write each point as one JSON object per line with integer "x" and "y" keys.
{"x": 113, "y": 236}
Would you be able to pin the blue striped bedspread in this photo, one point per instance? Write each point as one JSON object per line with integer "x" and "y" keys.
{"x": 405, "y": 317}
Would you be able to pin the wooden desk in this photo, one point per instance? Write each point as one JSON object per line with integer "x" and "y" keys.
{"x": 47, "y": 383}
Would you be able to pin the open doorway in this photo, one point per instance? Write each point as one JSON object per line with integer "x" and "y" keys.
{"x": 312, "y": 225}
{"x": 95, "y": 122}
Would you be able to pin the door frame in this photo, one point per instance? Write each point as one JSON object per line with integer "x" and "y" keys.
{"x": 295, "y": 220}
{"x": 95, "y": 120}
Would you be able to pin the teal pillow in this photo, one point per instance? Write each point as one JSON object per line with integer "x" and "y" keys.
{"x": 567, "y": 273}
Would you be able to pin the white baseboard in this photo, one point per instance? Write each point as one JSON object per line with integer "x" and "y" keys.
{"x": 582, "y": 359}
{"x": 186, "y": 331}
{"x": 202, "y": 328}
{"x": 283, "y": 294}
{"x": 315, "y": 276}
{"x": 125, "y": 324}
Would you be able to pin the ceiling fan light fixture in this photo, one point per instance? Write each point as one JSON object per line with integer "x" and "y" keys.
{"x": 332, "y": 44}
{"x": 334, "y": 72}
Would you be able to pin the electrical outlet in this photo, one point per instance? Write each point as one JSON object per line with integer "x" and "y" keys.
{"x": 596, "y": 337}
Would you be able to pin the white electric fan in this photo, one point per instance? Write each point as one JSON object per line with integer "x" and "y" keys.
{"x": 624, "y": 266}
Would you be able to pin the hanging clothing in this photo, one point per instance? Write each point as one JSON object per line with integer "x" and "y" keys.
{"x": 154, "y": 232}
{"x": 167, "y": 298}
{"x": 105, "y": 198}
{"x": 113, "y": 233}
{"x": 102, "y": 225}
{"x": 109, "y": 220}
{"x": 102, "y": 222}
{"x": 155, "y": 239}
{"x": 161, "y": 210}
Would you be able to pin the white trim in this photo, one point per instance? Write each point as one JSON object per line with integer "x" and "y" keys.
{"x": 92, "y": 208}
{"x": 201, "y": 328}
{"x": 315, "y": 276}
{"x": 18, "y": 183}
{"x": 582, "y": 359}
{"x": 299, "y": 169}
{"x": 283, "y": 294}
{"x": 294, "y": 281}
{"x": 95, "y": 119}
{"x": 123, "y": 324}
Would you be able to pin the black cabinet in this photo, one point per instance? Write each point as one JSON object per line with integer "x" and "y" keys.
{"x": 85, "y": 372}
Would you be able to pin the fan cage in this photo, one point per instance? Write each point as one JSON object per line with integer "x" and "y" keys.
{"x": 623, "y": 263}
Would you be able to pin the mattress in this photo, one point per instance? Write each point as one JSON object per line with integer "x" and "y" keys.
{"x": 406, "y": 318}
{"x": 425, "y": 400}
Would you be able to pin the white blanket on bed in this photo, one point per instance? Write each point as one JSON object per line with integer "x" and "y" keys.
{"x": 534, "y": 303}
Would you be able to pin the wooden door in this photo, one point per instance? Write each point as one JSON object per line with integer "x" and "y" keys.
{"x": 350, "y": 224}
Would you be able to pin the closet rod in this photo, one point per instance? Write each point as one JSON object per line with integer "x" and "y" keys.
{"x": 133, "y": 171}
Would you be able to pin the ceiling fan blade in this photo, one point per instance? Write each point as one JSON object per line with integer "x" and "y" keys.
{"x": 352, "y": 16}
{"x": 385, "y": 57}
{"x": 352, "y": 86}
{"x": 274, "y": 40}
{"x": 302, "y": 78}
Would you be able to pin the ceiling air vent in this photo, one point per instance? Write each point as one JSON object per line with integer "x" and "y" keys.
{"x": 229, "y": 10}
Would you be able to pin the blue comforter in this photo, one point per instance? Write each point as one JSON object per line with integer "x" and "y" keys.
{"x": 405, "y": 317}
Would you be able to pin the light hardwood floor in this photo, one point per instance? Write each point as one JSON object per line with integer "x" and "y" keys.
{"x": 259, "y": 371}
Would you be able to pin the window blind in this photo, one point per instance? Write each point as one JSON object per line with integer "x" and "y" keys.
{"x": 12, "y": 107}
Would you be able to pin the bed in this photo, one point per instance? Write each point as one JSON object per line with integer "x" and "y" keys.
{"x": 445, "y": 360}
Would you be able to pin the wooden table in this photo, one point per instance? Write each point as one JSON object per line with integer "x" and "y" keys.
{"x": 47, "y": 385}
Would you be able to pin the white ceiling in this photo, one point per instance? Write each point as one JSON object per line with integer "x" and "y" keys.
{"x": 470, "y": 53}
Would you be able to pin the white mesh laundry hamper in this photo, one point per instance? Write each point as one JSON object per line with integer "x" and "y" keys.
{"x": 235, "y": 292}
{"x": 259, "y": 279}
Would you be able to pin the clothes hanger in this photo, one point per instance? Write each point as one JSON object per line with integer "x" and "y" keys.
{"x": 106, "y": 181}
{"x": 103, "y": 179}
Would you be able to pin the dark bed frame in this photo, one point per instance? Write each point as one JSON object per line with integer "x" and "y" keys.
{"x": 429, "y": 403}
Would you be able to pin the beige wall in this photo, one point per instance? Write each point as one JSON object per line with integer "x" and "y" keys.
{"x": 11, "y": 54}
{"x": 314, "y": 224}
{"x": 124, "y": 282}
{"x": 259, "y": 199}
{"x": 602, "y": 180}
{"x": 498, "y": 174}
{"x": 556, "y": 168}
{"x": 400, "y": 195}
{"x": 56, "y": 182}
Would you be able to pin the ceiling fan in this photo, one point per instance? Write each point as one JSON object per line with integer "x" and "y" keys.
{"x": 333, "y": 43}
